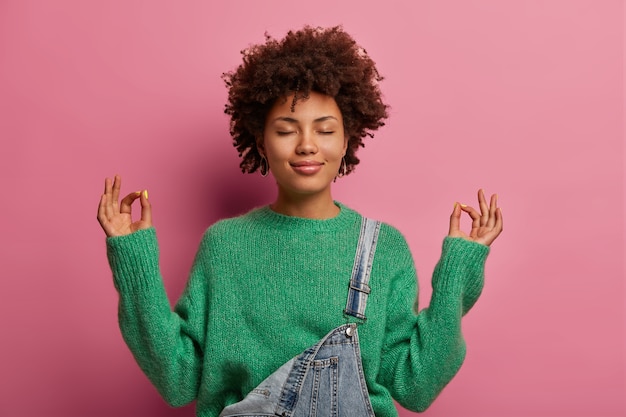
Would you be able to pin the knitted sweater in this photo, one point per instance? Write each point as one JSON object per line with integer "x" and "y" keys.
{"x": 264, "y": 286}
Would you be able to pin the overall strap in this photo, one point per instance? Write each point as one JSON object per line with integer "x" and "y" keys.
{"x": 359, "y": 288}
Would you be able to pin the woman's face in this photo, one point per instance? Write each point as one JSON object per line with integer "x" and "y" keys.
{"x": 304, "y": 148}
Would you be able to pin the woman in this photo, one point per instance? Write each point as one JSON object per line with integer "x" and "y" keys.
{"x": 276, "y": 288}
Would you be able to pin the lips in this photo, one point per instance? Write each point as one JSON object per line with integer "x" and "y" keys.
{"x": 307, "y": 167}
{"x": 305, "y": 163}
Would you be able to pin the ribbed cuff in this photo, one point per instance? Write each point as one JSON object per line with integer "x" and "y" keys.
{"x": 134, "y": 260}
{"x": 460, "y": 270}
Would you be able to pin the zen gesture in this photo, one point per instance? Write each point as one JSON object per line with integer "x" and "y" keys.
{"x": 115, "y": 217}
{"x": 486, "y": 225}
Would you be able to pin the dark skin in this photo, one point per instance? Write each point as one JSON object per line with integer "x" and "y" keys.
{"x": 486, "y": 224}
{"x": 115, "y": 216}
{"x": 308, "y": 133}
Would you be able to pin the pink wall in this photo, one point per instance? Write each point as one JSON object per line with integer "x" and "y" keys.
{"x": 525, "y": 98}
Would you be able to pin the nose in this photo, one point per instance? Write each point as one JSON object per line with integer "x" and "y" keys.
{"x": 306, "y": 144}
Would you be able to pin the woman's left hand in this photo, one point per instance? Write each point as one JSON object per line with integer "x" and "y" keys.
{"x": 486, "y": 225}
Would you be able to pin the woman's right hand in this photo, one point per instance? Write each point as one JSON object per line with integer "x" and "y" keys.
{"x": 115, "y": 217}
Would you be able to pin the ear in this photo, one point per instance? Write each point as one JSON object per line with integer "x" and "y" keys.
{"x": 259, "y": 145}
{"x": 345, "y": 145}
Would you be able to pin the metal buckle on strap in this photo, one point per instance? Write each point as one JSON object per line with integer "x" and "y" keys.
{"x": 354, "y": 317}
{"x": 360, "y": 287}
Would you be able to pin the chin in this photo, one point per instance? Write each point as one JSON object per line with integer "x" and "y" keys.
{"x": 305, "y": 188}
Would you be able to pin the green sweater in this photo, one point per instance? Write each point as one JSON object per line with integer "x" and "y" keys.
{"x": 264, "y": 286}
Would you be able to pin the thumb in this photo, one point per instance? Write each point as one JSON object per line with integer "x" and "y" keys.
{"x": 146, "y": 209}
{"x": 455, "y": 220}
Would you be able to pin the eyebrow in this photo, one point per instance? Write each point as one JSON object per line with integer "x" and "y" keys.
{"x": 292, "y": 120}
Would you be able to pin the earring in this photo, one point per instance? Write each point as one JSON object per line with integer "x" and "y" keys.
{"x": 264, "y": 167}
{"x": 342, "y": 168}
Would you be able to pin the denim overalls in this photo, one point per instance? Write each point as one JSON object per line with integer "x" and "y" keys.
{"x": 327, "y": 378}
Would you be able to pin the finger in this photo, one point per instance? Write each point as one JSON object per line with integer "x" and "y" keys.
{"x": 493, "y": 206}
{"x": 455, "y": 221}
{"x": 146, "y": 209}
{"x": 484, "y": 209}
{"x": 107, "y": 185}
{"x": 102, "y": 217}
{"x": 489, "y": 237}
{"x": 499, "y": 226}
{"x": 476, "y": 219}
{"x": 127, "y": 202}
{"x": 117, "y": 185}
{"x": 108, "y": 207}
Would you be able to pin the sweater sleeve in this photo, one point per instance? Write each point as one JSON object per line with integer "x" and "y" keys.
{"x": 166, "y": 344}
{"x": 422, "y": 352}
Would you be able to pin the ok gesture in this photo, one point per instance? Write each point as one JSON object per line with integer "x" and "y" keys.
{"x": 486, "y": 225}
{"x": 115, "y": 217}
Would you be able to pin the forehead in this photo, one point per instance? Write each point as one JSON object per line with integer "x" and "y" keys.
{"x": 315, "y": 106}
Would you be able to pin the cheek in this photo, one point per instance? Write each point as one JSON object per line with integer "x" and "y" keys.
{"x": 334, "y": 150}
{"x": 275, "y": 153}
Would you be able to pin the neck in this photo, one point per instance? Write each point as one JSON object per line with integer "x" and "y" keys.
{"x": 308, "y": 206}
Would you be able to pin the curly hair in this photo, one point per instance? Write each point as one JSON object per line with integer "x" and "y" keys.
{"x": 326, "y": 61}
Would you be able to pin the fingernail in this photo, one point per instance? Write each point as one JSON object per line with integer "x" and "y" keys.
{"x": 145, "y": 194}
{"x": 463, "y": 205}
{"x": 455, "y": 204}
{"x": 137, "y": 192}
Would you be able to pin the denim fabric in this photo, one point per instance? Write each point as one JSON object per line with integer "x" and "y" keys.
{"x": 326, "y": 379}
{"x": 359, "y": 288}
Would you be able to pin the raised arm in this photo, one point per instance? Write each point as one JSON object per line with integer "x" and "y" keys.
{"x": 166, "y": 344}
{"x": 423, "y": 351}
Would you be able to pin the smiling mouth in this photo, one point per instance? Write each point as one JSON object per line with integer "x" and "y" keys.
{"x": 307, "y": 167}
{"x": 306, "y": 164}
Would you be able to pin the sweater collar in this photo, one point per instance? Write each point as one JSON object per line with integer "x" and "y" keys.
{"x": 346, "y": 218}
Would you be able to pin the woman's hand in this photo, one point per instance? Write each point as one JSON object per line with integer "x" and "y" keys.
{"x": 115, "y": 218}
{"x": 486, "y": 225}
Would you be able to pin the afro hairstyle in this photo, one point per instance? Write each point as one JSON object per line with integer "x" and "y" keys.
{"x": 324, "y": 60}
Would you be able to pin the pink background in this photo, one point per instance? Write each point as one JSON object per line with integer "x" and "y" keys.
{"x": 525, "y": 98}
